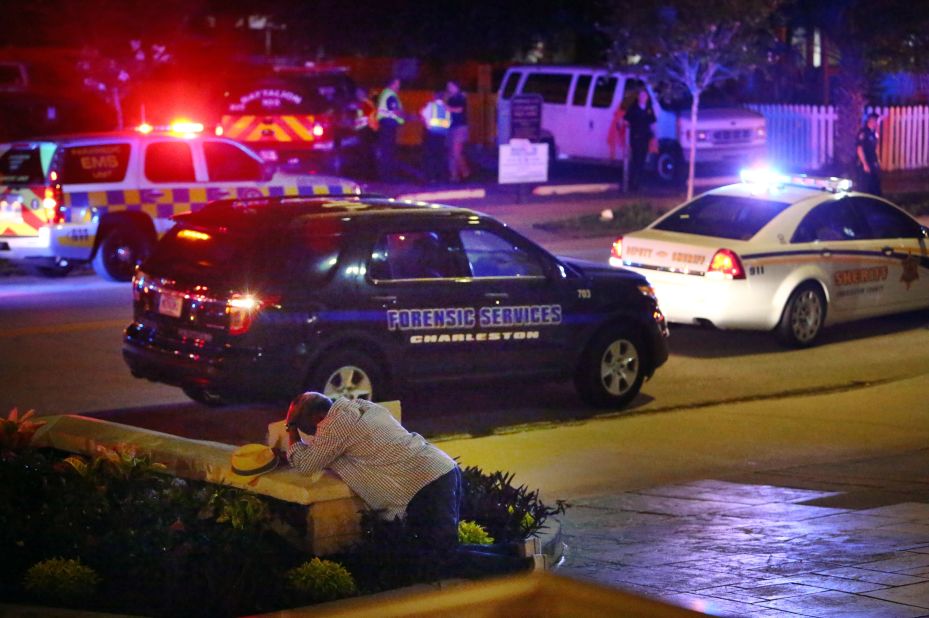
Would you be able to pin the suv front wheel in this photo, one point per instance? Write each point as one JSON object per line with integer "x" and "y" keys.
{"x": 610, "y": 372}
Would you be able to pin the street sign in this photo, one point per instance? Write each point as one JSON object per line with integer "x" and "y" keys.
{"x": 526, "y": 117}
{"x": 521, "y": 161}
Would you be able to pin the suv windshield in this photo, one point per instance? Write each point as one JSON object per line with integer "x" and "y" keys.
{"x": 722, "y": 216}
{"x": 297, "y": 94}
{"x": 241, "y": 258}
{"x": 21, "y": 166}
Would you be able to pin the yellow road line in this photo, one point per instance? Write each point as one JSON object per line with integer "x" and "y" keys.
{"x": 52, "y": 329}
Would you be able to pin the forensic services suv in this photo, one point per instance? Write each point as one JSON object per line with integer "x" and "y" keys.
{"x": 782, "y": 253}
{"x": 264, "y": 298}
{"x": 106, "y": 197}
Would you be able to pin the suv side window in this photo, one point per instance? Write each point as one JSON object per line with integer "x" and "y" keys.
{"x": 885, "y": 221}
{"x": 604, "y": 89}
{"x": 90, "y": 164}
{"x": 552, "y": 86}
{"x": 830, "y": 222}
{"x": 415, "y": 255}
{"x": 490, "y": 255}
{"x": 227, "y": 162}
{"x": 169, "y": 162}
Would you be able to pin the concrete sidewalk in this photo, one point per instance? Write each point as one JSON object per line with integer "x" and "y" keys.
{"x": 824, "y": 511}
{"x": 849, "y": 539}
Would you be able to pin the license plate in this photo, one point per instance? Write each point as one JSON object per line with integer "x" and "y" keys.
{"x": 170, "y": 304}
{"x": 268, "y": 155}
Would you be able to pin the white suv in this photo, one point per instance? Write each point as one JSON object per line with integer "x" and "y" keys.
{"x": 579, "y": 109}
{"x": 107, "y": 197}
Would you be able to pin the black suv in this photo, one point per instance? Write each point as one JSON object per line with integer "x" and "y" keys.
{"x": 264, "y": 298}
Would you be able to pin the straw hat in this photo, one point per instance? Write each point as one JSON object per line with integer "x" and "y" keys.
{"x": 252, "y": 460}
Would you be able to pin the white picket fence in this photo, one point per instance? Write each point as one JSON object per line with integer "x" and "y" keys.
{"x": 802, "y": 137}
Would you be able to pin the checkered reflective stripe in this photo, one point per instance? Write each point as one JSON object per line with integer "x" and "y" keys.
{"x": 167, "y": 202}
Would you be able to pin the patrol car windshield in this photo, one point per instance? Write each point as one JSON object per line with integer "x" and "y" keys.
{"x": 237, "y": 258}
{"x": 21, "y": 166}
{"x": 723, "y": 216}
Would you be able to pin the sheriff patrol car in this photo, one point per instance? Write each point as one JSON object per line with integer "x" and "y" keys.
{"x": 353, "y": 297}
{"x": 106, "y": 197}
{"x": 793, "y": 254}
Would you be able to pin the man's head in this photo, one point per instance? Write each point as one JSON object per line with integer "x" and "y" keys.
{"x": 452, "y": 87}
{"x": 643, "y": 96}
{"x": 307, "y": 410}
{"x": 872, "y": 121}
{"x": 394, "y": 83}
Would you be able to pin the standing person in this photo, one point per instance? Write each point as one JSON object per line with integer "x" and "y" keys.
{"x": 437, "y": 119}
{"x": 640, "y": 118}
{"x": 365, "y": 130}
{"x": 868, "y": 164}
{"x": 397, "y": 473}
{"x": 389, "y": 118}
{"x": 458, "y": 133}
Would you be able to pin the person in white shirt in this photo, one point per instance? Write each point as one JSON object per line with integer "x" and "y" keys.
{"x": 397, "y": 473}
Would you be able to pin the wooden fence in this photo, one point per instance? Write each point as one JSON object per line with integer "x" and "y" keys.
{"x": 803, "y": 136}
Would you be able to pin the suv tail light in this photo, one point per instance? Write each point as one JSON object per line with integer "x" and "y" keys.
{"x": 727, "y": 264}
{"x": 616, "y": 252}
{"x": 242, "y": 311}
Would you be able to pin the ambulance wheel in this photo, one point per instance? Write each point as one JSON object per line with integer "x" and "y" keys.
{"x": 349, "y": 374}
{"x": 205, "y": 396}
{"x": 120, "y": 250}
{"x": 803, "y": 317}
{"x": 610, "y": 372}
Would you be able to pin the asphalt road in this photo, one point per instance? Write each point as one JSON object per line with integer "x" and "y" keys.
{"x": 60, "y": 353}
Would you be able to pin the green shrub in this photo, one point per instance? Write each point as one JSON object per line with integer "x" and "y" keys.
{"x": 61, "y": 581}
{"x": 472, "y": 533}
{"x": 318, "y": 581}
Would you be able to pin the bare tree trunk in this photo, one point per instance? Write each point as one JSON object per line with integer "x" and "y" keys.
{"x": 692, "y": 163}
{"x": 851, "y": 88}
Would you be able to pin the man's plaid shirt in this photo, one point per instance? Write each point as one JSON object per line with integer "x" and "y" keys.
{"x": 376, "y": 457}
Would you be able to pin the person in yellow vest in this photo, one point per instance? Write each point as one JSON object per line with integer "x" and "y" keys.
{"x": 437, "y": 118}
{"x": 389, "y": 119}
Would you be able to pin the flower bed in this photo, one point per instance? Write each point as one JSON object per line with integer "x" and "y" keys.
{"x": 115, "y": 532}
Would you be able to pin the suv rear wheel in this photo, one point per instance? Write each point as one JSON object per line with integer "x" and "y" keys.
{"x": 120, "y": 250}
{"x": 610, "y": 372}
{"x": 349, "y": 374}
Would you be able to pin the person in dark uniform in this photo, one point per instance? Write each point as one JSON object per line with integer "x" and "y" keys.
{"x": 640, "y": 118}
{"x": 868, "y": 166}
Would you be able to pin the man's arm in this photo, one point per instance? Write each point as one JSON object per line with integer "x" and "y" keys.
{"x": 321, "y": 449}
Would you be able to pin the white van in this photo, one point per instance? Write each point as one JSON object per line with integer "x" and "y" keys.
{"x": 579, "y": 107}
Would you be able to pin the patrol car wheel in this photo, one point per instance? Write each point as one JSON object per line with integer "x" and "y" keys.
{"x": 120, "y": 250}
{"x": 352, "y": 375}
{"x": 205, "y": 396}
{"x": 610, "y": 373}
{"x": 803, "y": 317}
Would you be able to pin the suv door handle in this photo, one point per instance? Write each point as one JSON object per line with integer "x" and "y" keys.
{"x": 496, "y": 295}
{"x": 888, "y": 251}
{"x": 387, "y": 298}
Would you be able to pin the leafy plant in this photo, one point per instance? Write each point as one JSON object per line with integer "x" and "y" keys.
{"x": 509, "y": 514}
{"x": 60, "y": 580}
{"x": 240, "y": 510}
{"x": 16, "y": 431}
{"x": 472, "y": 533}
{"x": 319, "y": 581}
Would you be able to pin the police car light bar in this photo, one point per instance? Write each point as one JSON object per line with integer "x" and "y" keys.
{"x": 179, "y": 127}
{"x": 769, "y": 180}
